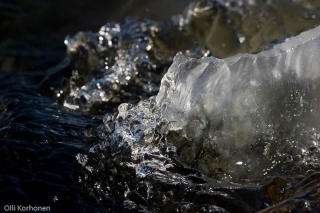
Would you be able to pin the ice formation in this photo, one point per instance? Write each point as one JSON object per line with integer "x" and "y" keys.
{"x": 109, "y": 61}
{"x": 248, "y": 113}
{"x": 124, "y": 62}
{"x": 245, "y": 116}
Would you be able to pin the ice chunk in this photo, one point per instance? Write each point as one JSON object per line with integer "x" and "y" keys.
{"x": 124, "y": 62}
{"x": 135, "y": 123}
{"x": 247, "y": 108}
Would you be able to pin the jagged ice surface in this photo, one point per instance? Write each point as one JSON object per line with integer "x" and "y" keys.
{"x": 253, "y": 112}
{"x": 123, "y": 62}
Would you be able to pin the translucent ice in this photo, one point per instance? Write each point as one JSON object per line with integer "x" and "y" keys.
{"x": 245, "y": 113}
{"x": 241, "y": 117}
{"x": 124, "y": 62}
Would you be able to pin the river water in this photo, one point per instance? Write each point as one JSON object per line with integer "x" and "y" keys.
{"x": 80, "y": 126}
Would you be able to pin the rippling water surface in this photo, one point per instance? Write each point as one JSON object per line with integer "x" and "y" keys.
{"x": 86, "y": 130}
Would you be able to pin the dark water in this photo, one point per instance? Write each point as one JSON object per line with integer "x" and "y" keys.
{"x": 49, "y": 122}
{"x": 33, "y": 31}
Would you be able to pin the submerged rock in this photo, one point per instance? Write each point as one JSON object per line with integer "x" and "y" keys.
{"x": 228, "y": 27}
